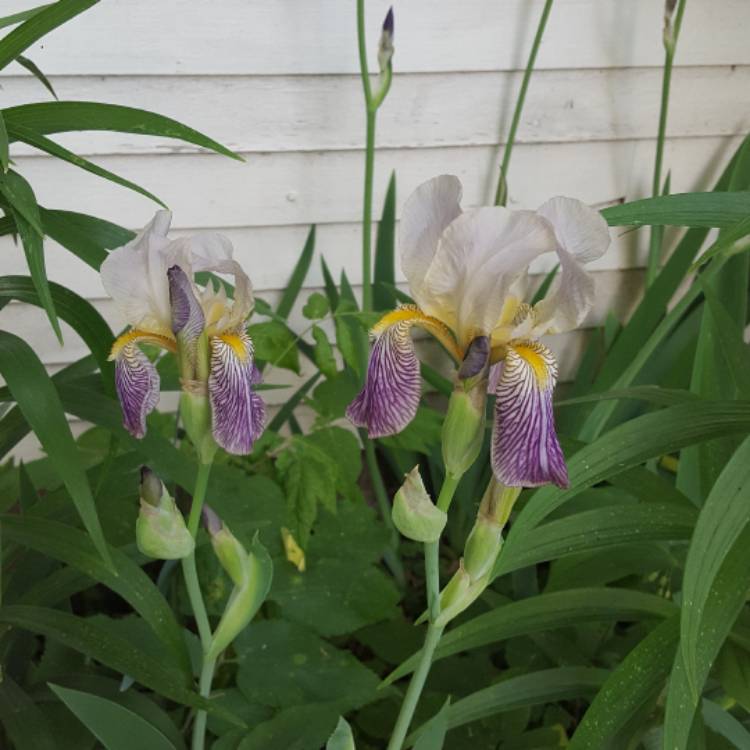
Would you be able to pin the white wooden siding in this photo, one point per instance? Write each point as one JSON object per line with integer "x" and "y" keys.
{"x": 276, "y": 81}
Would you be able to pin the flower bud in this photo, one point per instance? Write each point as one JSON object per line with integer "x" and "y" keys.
{"x": 251, "y": 572}
{"x": 195, "y": 412}
{"x": 414, "y": 514}
{"x": 668, "y": 34}
{"x": 385, "y": 47}
{"x": 463, "y": 428}
{"x": 160, "y": 531}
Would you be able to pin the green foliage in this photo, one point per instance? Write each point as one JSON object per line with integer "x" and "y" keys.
{"x": 275, "y": 344}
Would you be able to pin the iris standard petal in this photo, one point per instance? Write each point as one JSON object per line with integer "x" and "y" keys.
{"x": 479, "y": 257}
{"x": 135, "y": 276}
{"x": 582, "y": 235}
{"x": 525, "y": 449}
{"x": 427, "y": 212}
{"x": 136, "y": 379}
{"x": 188, "y": 320}
{"x": 238, "y": 414}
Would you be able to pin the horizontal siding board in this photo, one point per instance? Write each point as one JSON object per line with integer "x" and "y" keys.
{"x": 295, "y": 37}
{"x": 325, "y": 187}
{"x": 315, "y": 113}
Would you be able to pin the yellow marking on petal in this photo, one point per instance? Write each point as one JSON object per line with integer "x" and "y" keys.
{"x": 235, "y": 341}
{"x": 532, "y": 353}
{"x": 137, "y": 335}
{"x": 412, "y": 314}
{"x": 294, "y": 553}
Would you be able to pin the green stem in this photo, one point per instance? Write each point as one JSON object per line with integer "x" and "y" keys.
{"x": 501, "y": 192}
{"x": 391, "y": 556}
{"x": 367, "y": 213}
{"x": 657, "y": 232}
{"x": 190, "y": 573}
{"x": 199, "y": 727}
{"x": 432, "y": 637}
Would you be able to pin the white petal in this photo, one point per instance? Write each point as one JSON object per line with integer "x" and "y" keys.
{"x": 427, "y": 212}
{"x": 135, "y": 276}
{"x": 583, "y": 236}
{"x": 580, "y": 230}
{"x": 479, "y": 256}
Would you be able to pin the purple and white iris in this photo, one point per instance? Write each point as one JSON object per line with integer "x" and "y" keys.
{"x": 151, "y": 281}
{"x": 465, "y": 271}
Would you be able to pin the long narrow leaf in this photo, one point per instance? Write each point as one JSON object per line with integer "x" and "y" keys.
{"x": 39, "y": 24}
{"x": 38, "y": 401}
{"x": 385, "y": 268}
{"x": 74, "y": 548}
{"x": 21, "y": 16}
{"x": 297, "y": 279}
{"x": 25, "y": 724}
{"x": 62, "y": 117}
{"x": 33, "y": 68}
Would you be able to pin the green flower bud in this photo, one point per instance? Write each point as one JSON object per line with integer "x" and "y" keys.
{"x": 414, "y": 514}
{"x": 160, "y": 530}
{"x": 463, "y": 428}
{"x": 251, "y": 572}
{"x": 195, "y": 412}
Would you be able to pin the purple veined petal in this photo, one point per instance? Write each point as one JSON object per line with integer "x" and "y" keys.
{"x": 493, "y": 378}
{"x": 390, "y": 398}
{"x": 525, "y": 449}
{"x": 238, "y": 414}
{"x": 136, "y": 381}
{"x": 188, "y": 320}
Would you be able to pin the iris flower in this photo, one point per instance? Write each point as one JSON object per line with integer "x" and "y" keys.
{"x": 465, "y": 271}
{"x": 151, "y": 281}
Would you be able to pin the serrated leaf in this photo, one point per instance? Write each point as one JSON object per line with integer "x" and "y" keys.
{"x": 323, "y": 352}
{"x": 275, "y": 344}
{"x": 115, "y": 726}
{"x": 316, "y": 307}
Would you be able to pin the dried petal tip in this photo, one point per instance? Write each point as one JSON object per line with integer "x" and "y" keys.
{"x": 151, "y": 486}
{"x": 211, "y": 520}
{"x": 388, "y": 22}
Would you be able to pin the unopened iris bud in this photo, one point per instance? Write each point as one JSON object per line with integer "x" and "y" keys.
{"x": 160, "y": 531}
{"x": 385, "y": 47}
{"x": 251, "y": 572}
{"x": 463, "y": 428}
{"x": 414, "y": 514}
{"x": 668, "y": 35}
{"x": 480, "y": 552}
{"x": 195, "y": 413}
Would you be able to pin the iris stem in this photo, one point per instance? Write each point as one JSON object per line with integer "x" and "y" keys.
{"x": 190, "y": 572}
{"x": 434, "y": 633}
{"x": 657, "y": 232}
{"x": 501, "y": 194}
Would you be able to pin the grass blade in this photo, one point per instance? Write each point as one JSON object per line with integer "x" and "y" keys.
{"x": 385, "y": 243}
{"x": 297, "y": 279}
{"x": 33, "y": 68}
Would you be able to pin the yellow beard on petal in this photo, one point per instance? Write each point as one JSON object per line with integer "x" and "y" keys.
{"x": 532, "y": 353}
{"x": 235, "y": 341}
{"x": 141, "y": 336}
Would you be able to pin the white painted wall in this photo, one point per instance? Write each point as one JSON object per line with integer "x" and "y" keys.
{"x": 277, "y": 81}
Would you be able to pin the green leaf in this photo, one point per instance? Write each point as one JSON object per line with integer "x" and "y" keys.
{"x": 96, "y": 639}
{"x": 547, "y": 685}
{"x": 32, "y": 67}
{"x": 291, "y": 404}
{"x": 85, "y": 236}
{"x": 31, "y": 138}
{"x": 116, "y": 727}
{"x": 62, "y": 117}
{"x": 432, "y": 735}
{"x": 561, "y": 609}
{"x": 342, "y": 738}
{"x": 298, "y": 728}
{"x": 330, "y": 285}
{"x": 73, "y": 547}
{"x": 4, "y": 155}
{"x": 654, "y": 394}
{"x": 316, "y": 307}
{"x": 722, "y": 520}
{"x": 25, "y": 213}
{"x": 715, "y": 209}
{"x": 723, "y": 723}
{"x": 77, "y": 312}
{"x": 385, "y": 269}
{"x": 275, "y": 344}
{"x": 21, "y": 16}
{"x": 324, "y": 358}
{"x": 25, "y": 724}
{"x": 38, "y": 401}
{"x": 733, "y": 672}
{"x": 634, "y": 683}
{"x": 299, "y": 668}
{"x": 597, "y": 529}
{"x": 37, "y": 25}
{"x": 630, "y": 444}
{"x": 297, "y": 279}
